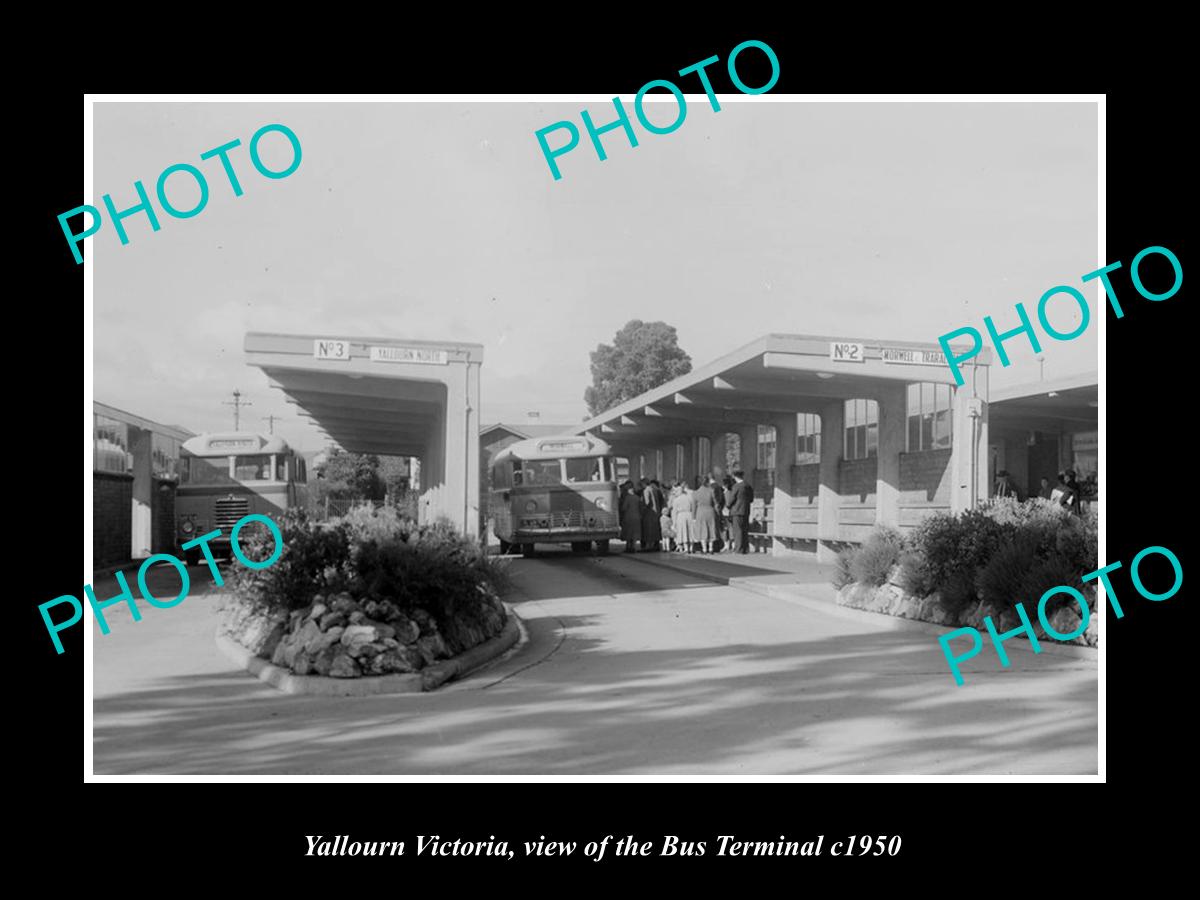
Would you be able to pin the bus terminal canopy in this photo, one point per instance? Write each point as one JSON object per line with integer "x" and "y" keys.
{"x": 679, "y": 430}
{"x": 393, "y": 397}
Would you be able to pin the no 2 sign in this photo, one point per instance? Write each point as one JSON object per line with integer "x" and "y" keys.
{"x": 861, "y": 846}
{"x": 845, "y": 352}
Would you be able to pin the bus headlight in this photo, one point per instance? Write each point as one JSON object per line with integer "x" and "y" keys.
{"x": 600, "y": 504}
{"x": 531, "y": 506}
{"x": 187, "y": 526}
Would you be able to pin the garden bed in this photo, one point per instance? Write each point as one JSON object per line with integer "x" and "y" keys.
{"x": 958, "y": 570}
{"x": 368, "y": 594}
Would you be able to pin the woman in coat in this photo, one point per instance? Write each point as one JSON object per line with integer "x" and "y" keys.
{"x": 706, "y": 518}
{"x": 631, "y": 517}
{"x": 651, "y": 510}
{"x": 683, "y": 508}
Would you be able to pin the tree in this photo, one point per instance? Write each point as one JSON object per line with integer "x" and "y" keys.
{"x": 351, "y": 476}
{"x": 642, "y": 356}
{"x": 394, "y": 472}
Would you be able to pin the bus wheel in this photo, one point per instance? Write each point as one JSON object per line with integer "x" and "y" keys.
{"x": 527, "y": 550}
{"x": 580, "y": 546}
{"x": 191, "y": 557}
{"x": 505, "y": 547}
{"x": 602, "y": 548}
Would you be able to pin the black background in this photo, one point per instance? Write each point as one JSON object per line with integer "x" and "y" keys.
{"x": 948, "y": 830}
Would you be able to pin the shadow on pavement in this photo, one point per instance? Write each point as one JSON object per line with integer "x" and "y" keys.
{"x": 757, "y": 708}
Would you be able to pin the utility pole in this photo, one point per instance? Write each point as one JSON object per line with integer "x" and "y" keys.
{"x": 237, "y": 403}
{"x": 271, "y": 422}
{"x": 1041, "y": 368}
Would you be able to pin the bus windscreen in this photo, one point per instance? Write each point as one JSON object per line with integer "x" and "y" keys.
{"x": 584, "y": 470}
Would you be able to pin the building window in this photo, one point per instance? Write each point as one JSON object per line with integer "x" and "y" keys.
{"x": 862, "y": 429}
{"x": 165, "y": 450}
{"x": 930, "y": 417}
{"x": 110, "y": 440}
{"x": 703, "y": 456}
{"x": 766, "y": 447}
{"x": 808, "y": 438}
{"x": 658, "y": 465}
{"x": 642, "y": 466}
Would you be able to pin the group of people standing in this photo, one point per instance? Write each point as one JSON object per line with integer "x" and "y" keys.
{"x": 1066, "y": 491}
{"x": 703, "y": 516}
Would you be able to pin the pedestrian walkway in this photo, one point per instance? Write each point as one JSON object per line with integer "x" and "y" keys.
{"x": 758, "y": 572}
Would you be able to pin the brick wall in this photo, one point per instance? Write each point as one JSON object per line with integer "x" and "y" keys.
{"x": 856, "y": 480}
{"x": 856, "y": 487}
{"x": 163, "y": 516}
{"x": 924, "y": 485}
{"x": 925, "y": 478}
{"x": 805, "y": 491}
{"x": 112, "y": 518}
{"x": 806, "y": 483}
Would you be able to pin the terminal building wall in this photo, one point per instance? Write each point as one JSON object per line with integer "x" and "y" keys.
{"x": 112, "y": 522}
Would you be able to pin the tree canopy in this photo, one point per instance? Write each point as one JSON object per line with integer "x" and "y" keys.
{"x": 351, "y": 476}
{"x": 643, "y": 355}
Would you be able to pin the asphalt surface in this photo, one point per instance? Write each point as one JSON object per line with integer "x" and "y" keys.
{"x": 628, "y": 669}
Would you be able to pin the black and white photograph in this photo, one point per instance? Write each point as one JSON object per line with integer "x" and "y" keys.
{"x": 673, "y": 436}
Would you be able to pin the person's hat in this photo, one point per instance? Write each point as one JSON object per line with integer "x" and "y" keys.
{"x": 1070, "y": 473}
{"x": 1003, "y": 473}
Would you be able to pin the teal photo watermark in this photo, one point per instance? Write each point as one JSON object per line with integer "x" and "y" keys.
{"x": 1026, "y": 325}
{"x": 185, "y": 171}
{"x": 1026, "y": 627}
{"x": 126, "y": 596}
{"x": 622, "y": 120}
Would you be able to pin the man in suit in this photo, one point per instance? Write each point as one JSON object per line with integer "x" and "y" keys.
{"x": 741, "y": 496}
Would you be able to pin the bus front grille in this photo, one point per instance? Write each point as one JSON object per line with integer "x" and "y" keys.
{"x": 228, "y": 511}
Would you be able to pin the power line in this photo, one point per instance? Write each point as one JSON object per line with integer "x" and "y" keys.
{"x": 237, "y": 403}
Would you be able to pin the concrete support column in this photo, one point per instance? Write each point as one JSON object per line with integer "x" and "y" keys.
{"x": 140, "y": 445}
{"x": 460, "y": 441}
{"x": 785, "y": 455}
{"x": 829, "y": 493}
{"x": 892, "y": 413}
{"x": 969, "y": 453}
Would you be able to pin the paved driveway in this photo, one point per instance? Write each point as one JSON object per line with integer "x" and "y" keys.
{"x": 629, "y": 669}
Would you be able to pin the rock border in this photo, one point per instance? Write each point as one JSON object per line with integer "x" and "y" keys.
{"x": 429, "y": 678}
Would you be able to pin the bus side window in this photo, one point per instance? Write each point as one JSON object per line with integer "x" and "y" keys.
{"x": 517, "y": 474}
{"x": 301, "y": 473}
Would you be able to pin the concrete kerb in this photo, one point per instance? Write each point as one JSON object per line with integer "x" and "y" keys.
{"x": 427, "y": 679}
{"x": 877, "y": 620}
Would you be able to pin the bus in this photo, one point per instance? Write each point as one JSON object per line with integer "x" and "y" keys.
{"x": 554, "y": 490}
{"x": 226, "y": 476}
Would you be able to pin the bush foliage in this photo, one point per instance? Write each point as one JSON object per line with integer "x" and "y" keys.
{"x": 873, "y": 561}
{"x": 1002, "y": 553}
{"x": 372, "y": 554}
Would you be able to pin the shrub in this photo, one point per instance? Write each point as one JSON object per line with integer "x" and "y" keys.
{"x": 1047, "y": 573}
{"x": 1003, "y": 580}
{"x": 377, "y": 555}
{"x": 957, "y": 590}
{"x": 878, "y": 554}
{"x": 1077, "y": 541}
{"x": 939, "y": 540}
{"x": 367, "y": 524}
{"x": 842, "y": 574}
{"x": 315, "y": 558}
{"x": 914, "y": 574}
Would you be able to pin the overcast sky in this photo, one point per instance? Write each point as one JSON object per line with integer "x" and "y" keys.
{"x": 443, "y": 222}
